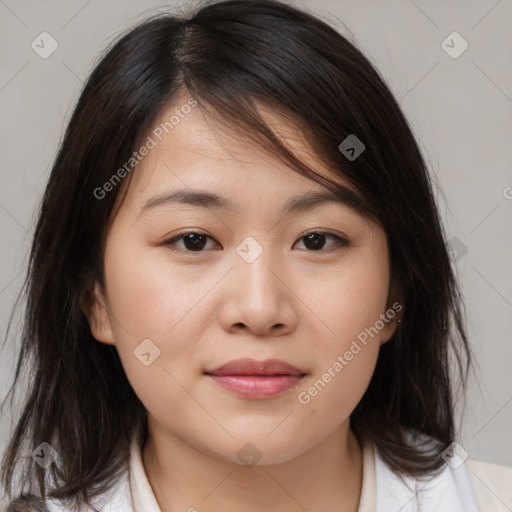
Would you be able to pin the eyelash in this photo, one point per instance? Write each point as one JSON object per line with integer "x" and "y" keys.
{"x": 341, "y": 242}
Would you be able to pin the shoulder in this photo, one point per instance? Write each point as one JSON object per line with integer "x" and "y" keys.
{"x": 116, "y": 499}
{"x": 492, "y": 484}
{"x": 460, "y": 486}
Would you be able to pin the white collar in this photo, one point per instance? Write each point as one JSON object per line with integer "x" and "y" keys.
{"x": 143, "y": 498}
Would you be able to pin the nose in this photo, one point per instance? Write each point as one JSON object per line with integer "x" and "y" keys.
{"x": 257, "y": 298}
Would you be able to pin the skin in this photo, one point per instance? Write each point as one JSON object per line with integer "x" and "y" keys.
{"x": 201, "y": 310}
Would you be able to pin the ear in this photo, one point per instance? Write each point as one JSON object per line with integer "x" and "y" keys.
{"x": 95, "y": 308}
{"x": 394, "y": 312}
{"x": 393, "y": 323}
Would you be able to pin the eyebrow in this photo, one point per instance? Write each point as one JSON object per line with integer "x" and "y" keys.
{"x": 296, "y": 204}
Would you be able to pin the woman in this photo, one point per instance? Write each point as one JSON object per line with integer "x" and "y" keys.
{"x": 240, "y": 294}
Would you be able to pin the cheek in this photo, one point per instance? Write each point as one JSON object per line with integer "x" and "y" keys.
{"x": 330, "y": 394}
{"x": 350, "y": 299}
{"x": 153, "y": 312}
{"x": 149, "y": 297}
{"x": 350, "y": 305}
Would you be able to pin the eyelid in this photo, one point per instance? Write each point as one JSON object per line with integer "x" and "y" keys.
{"x": 342, "y": 241}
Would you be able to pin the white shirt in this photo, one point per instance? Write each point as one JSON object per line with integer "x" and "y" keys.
{"x": 472, "y": 487}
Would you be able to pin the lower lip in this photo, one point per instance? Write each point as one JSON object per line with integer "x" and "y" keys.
{"x": 257, "y": 387}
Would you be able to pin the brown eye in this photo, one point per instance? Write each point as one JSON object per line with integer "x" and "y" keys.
{"x": 193, "y": 241}
{"x": 316, "y": 240}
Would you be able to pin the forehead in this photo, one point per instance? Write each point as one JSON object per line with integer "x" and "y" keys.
{"x": 199, "y": 160}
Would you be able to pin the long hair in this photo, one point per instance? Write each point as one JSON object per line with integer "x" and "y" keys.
{"x": 230, "y": 56}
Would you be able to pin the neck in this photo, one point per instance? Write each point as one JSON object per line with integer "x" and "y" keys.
{"x": 327, "y": 477}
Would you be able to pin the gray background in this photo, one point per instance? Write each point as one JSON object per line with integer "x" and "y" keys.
{"x": 459, "y": 108}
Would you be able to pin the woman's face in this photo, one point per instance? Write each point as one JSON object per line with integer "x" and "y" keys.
{"x": 250, "y": 285}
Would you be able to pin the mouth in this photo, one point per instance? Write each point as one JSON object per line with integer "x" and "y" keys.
{"x": 254, "y": 379}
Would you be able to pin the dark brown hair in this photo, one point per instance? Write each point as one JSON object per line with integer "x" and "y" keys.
{"x": 229, "y": 55}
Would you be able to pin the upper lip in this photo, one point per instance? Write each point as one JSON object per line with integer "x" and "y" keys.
{"x": 253, "y": 367}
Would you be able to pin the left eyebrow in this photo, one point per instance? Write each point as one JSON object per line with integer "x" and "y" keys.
{"x": 295, "y": 204}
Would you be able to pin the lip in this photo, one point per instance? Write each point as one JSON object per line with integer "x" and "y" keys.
{"x": 249, "y": 366}
{"x": 254, "y": 379}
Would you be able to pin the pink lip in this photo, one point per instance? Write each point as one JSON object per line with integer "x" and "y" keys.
{"x": 256, "y": 379}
